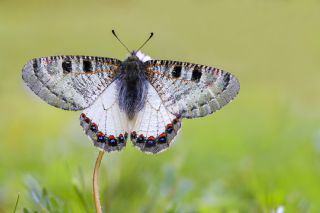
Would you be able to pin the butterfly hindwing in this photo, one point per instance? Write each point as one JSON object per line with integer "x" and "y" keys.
{"x": 191, "y": 90}
{"x": 152, "y": 130}
{"x": 154, "y": 127}
{"x": 70, "y": 82}
{"x": 104, "y": 123}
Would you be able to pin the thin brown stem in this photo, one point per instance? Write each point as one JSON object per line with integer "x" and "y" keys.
{"x": 96, "y": 171}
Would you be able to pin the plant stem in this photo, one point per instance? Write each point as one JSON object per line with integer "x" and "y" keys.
{"x": 96, "y": 171}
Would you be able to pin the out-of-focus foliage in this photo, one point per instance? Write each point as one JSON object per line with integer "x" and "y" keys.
{"x": 259, "y": 153}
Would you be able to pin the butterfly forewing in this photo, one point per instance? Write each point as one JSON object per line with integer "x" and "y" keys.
{"x": 191, "y": 90}
{"x": 70, "y": 82}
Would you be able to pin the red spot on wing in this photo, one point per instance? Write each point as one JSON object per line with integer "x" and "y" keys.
{"x": 87, "y": 120}
{"x": 151, "y": 138}
{"x": 100, "y": 134}
{"x": 163, "y": 135}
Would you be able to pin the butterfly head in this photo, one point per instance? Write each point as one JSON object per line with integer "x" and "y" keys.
{"x": 134, "y": 62}
{"x": 133, "y": 57}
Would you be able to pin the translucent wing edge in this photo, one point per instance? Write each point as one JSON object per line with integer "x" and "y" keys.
{"x": 157, "y": 143}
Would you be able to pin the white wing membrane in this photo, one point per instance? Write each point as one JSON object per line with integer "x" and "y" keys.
{"x": 104, "y": 122}
{"x": 69, "y": 82}
{"x": 152, "y": 129}
{"x": 190, "y": 90}
{"x": 154, "y": 126}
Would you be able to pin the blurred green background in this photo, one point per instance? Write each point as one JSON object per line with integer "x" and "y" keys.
{"x": 261, "y": 153}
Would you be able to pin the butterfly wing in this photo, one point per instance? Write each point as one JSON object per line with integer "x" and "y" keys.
{"x": 191, "y": 90}
{"x": 70, "y": 82}
{"x": 104, "y": 123}
{"x": 154, "y": 127}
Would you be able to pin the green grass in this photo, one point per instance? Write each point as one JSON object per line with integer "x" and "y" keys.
{"x": 260, "y": 152}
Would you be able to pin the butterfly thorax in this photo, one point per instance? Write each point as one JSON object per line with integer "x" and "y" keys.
{"x": 132, "y": 86}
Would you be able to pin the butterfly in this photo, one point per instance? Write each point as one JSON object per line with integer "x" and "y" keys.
{"x": 139, "y": 99}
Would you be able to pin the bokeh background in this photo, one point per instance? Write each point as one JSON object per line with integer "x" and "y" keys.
{"x": 261, "y": 153}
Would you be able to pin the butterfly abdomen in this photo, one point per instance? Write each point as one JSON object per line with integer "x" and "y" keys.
{"x": 132, "y": 87}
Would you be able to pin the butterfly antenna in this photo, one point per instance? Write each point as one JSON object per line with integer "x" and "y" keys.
{"x": 151, "y": 34}
{"x": 115, "y": 35}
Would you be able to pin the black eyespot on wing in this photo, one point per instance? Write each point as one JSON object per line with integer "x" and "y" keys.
{"x": 176, "y": 72}
{"x": 226, "y": 79}
{"x": 151, "y": 141}
{"x": 35, "y": 64}
{"x": 87, "y": 66}
{"x": 112, "y": 141}
{"x": 67, "y": 66}
{"x": 196, "y": 74}
{"x": 140, "y": 139}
